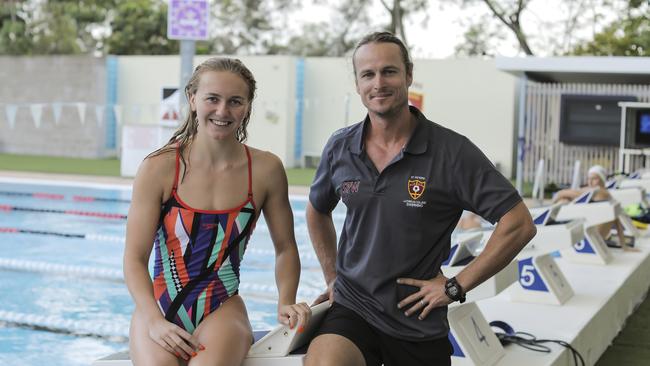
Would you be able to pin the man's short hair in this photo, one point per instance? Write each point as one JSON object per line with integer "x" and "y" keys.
{"x": 385, "y": 37}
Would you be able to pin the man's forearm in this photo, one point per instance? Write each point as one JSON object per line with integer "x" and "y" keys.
{"x": 323, "y": 237}
{"x": 510, "y": 236}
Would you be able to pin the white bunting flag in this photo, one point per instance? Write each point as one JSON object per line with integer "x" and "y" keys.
{"x": 81, "y": 109}
{"x": 99, "y": 114}
{"x": 10, "y": 111}
{"x": 37, "y": 113}
{"x": 117, "y": 109}
{"x": 56, "y": 110}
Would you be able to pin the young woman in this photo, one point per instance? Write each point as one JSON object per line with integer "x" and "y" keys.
{"x": 195, "y": 202}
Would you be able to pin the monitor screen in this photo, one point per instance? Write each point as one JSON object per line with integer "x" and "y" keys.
{"x": 591, "y": 119}
{"x": 644, "y": 122}
{"x": 643, "y": 127}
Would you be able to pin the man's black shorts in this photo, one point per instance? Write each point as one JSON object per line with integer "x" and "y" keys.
{"x": 379, "y": 348}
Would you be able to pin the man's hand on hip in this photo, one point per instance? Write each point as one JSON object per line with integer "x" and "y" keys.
{"x": 431, "y": 295}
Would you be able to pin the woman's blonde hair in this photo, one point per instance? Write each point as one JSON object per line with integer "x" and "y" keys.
{"x": 183, "y": 136}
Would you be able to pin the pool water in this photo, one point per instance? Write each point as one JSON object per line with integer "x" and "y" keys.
{"x": 35, "y": 291}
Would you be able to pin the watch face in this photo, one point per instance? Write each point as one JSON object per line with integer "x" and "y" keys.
{"x": 453, "y": 291}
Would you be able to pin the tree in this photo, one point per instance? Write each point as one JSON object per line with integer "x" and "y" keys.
{"x": 398, "y": 11}
{"x": 479, "y": 40}
{"x": 250, "y": 26}
{"x": 51, "y": 27}
{"x": 509, "y": 13}
{"x": 335, "y": 38}
{"x": 15, "y": 37}
{"x": 626, "y": 36}
{"x": 139, "y": 27}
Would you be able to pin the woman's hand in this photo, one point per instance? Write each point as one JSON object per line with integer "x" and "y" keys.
{"x": 294, "y": 315}
{"x": 174, "y": 338}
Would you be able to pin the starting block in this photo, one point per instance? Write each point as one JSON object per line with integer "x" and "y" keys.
{"x": 593, "y": 249}
{"x": 540, "y": 279}
{"x": 471, "y": 336}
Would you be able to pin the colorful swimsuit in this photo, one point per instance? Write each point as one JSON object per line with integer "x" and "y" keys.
{"x": 198, "y": 253}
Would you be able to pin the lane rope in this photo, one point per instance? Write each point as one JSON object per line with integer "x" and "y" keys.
{"x": 113, "y": 275}
{"x": 103, "y": 215}
{"x": 60, "y": 197}
{"x": 83, "y": 328}
{"x": 304, "y": 251}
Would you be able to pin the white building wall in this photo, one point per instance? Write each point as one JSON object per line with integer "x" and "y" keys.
{"x": 469, "y": 96}
{"x": 473, "y": 98}
{"x": 142, "y": 78}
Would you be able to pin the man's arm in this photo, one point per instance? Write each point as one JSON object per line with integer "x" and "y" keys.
{"x": 513, "y": 231}
{"x": 323, "y": 237}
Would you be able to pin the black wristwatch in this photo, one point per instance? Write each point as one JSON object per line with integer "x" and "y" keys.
{"x": 454, "y": 291}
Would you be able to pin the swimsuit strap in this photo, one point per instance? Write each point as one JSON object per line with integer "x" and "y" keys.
{"x": 178, "y": 165}
{"x": 250, "y": 173}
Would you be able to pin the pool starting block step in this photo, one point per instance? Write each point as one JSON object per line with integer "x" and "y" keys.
{"x": 592, "y": 249}
{"x": 472, "y": 338}
{"x": 541, "y": 281}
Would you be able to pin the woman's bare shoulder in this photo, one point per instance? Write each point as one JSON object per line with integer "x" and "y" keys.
{"x": 156, "y": 172}
{"x": 265, "y": 159}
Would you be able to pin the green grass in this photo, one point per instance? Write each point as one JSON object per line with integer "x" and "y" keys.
{"x": 103, "y": 167}
{"x": 300, "y": 177}
{"x": 48, "y": 164}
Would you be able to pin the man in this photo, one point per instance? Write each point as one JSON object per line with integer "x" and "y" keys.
{"x": 405, "y": 182}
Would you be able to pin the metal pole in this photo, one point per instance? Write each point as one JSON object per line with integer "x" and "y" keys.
{"x": 188, "y": 48}
{"x": 521, "y": 133}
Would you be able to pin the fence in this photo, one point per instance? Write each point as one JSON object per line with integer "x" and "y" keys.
{"x": 542, "y": 131}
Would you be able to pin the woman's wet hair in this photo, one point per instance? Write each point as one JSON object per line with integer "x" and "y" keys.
{"x": 188, "y": 129}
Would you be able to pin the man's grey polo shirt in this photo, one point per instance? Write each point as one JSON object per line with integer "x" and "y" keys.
{"x": 399, "y": 222}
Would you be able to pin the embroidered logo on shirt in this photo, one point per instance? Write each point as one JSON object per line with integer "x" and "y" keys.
{"x": 351, "y": 186}
{"x": 416, "y": 187}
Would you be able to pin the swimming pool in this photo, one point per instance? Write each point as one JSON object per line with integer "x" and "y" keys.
{"x": 61, "y": 248}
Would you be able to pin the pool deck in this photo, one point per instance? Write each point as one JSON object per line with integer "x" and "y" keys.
{"x": 122, "y": 181}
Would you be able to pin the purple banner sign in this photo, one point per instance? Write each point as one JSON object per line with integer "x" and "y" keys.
{"x": 188, "y": 19}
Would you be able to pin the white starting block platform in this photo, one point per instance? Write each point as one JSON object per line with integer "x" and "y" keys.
{"x": 640, "y": 183}
{"x": 604, "y": 296}
{"x": 630, "y": 196}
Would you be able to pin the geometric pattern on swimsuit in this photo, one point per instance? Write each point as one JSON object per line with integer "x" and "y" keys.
{"x": 197, "y": 256}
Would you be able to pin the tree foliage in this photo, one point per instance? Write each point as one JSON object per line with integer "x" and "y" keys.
{"x": 14, "y": 34}
{"x": 626, "y": 36}
{"x": 139, "y": 27}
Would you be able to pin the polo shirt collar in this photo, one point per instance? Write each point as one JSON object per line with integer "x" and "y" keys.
{"x": 418, "y": 142}
{"x": 416, "y": 145}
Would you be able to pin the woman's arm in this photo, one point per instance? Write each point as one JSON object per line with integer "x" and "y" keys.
{"x": 148, "y": 191}
{"x": 567, "y": 194}
{"x": 279, "y": 219}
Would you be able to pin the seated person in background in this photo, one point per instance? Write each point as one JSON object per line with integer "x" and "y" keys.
{"x": 596, "y": 179}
